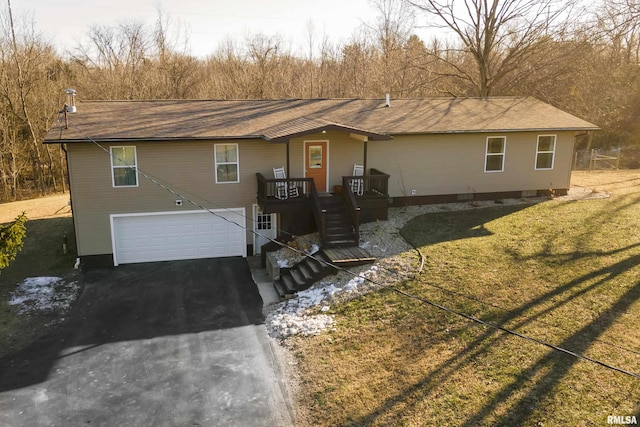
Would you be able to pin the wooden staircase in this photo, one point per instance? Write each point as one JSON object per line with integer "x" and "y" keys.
{"x": 309, "y": 270}
{"x": 303, "y": 274}
{"x": 339, "y": 239}
{"x": 339, "y": 230}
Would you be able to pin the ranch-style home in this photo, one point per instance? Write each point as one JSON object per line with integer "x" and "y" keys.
{"x": 168, "y": 180}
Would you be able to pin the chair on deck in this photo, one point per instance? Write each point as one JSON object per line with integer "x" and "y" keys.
{"x": 282, "y": 190}
{"x": 357, "y": 185}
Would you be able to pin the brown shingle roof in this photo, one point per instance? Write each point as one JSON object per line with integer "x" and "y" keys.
{"x": 282, "y": 119}
{"x": 307, "y": 125}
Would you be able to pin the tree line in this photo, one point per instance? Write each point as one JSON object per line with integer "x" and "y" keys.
{"x": 582, "y": 59}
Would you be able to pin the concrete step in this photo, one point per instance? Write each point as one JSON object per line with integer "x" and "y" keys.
{"x": 281, "y": 289}
{"x": 298, "y": 278}
{"x": 288, "y": 282}
{"x": 306, "y": 271}
{"x": 315, "y": 266}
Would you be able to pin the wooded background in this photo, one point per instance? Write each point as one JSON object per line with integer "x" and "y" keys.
{"x": 584, "y": 59}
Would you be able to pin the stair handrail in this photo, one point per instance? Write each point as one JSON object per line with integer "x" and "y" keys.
{"x": 352, "y": 205}
{"x": 318, "y": 214}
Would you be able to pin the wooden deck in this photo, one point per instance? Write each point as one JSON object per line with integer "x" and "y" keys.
{"x": 349, "y": 256}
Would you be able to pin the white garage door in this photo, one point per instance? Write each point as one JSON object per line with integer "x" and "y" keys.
{"x": 175, "y": 236}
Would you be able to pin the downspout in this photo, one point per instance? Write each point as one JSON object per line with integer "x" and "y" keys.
{"x": 73, "y": 216}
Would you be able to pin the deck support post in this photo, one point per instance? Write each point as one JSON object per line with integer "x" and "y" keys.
{"x": 288, "y": 160}
{"x": 364, "y": 163}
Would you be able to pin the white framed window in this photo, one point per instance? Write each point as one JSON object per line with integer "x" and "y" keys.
{"x": 124, "y": 166}
{"x": 545, "y": 152}
{"x": 495, "y": 154}
{"x": 227, "y": 163}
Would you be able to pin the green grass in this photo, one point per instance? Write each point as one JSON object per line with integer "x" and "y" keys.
{"x": 42, "y": 255}
{"x": 564, "y": 272}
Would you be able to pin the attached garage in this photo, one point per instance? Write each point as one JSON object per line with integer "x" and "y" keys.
{"x": 169, "y": 236}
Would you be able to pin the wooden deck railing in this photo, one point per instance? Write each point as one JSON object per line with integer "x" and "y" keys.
{"x": 368, "y": 204}
{"x": 319, "y": 214}
{"x": 371, "y": 193}
{"x": 375, "y": 184}
{"x": 352, "y": 206}
{"x": 272, "y": 189}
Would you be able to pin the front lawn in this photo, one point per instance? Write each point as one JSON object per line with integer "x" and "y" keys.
{"x": 564, "y": 272}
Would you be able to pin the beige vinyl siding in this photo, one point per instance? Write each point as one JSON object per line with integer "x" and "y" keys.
{"x": 429, "y": 164}
{"x": 454, "y": 164}
{"x": 186, "y": 167}
{"x": 343, "y": 152}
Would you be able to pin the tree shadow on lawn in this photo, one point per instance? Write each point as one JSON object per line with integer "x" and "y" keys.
{"x": 590, "y": 228}
{"x": 548, "y": 371}
{"x": 555, "y": 364}
{"x": 455, "y": 225}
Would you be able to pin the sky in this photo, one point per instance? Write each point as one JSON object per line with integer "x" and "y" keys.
{"x": 206, "y": 23}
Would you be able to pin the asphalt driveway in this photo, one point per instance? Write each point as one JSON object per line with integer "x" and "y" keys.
{"x": 176, "y": 343}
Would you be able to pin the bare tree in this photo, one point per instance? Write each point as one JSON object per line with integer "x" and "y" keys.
{"x": 31, "y": 82}
{"x": 22, "y": 84}
{"x": 619, "y": 25}
{"x": 176, "y": 70}
{"x": 265, "y": 54}
{"x": 357, "y": 67}
{"x": 392, "y": 30}
{"x": 114, "y": 64}
{"x": 328, "y": 65}
{"x": 497, "y": 35}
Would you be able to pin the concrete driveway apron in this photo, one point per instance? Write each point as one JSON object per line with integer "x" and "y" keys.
{"x": 163, "y": 344}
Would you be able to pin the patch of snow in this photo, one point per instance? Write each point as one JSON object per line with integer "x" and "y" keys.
{"x": 296, "y": 315}
{"x": 287, "y": 258}
{"x": 44, "y": 294}
{"x": 284, "y": 263}
{"x": 283, "y": 325}
{"x": 352, "y": 285}
{"x": 292, "y": 317}
{"x": 310, "y": 298}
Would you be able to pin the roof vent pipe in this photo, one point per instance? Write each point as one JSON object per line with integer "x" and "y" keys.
{"x": 70, "y": 101}
{"x": 69, "y": 105}
{"x": 387, "y": 102}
